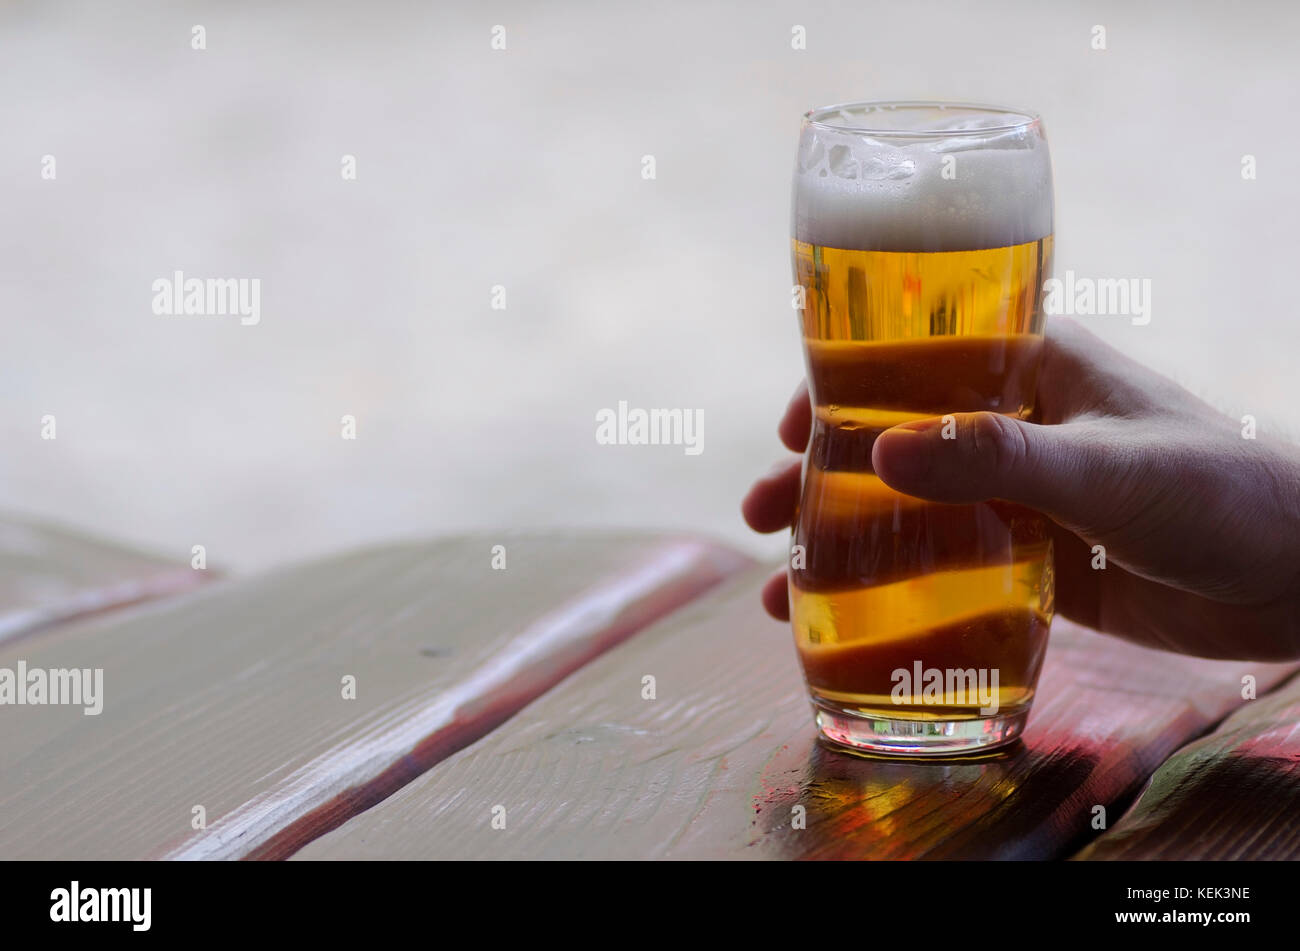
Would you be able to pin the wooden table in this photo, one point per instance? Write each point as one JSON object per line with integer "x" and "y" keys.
{"x": 413, "y": 701}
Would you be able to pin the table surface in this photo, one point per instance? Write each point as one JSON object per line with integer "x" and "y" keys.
{"x": 414, "y": 701}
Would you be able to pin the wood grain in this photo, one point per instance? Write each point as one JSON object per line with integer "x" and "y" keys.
{"x": 231, "y": 698}
{"x": 714, "y": 766}
{"x": 1234, "y": 794}
{"x": 49, "y": 575}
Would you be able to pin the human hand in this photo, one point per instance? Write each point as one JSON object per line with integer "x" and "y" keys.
{"x": 1201, "y": 528}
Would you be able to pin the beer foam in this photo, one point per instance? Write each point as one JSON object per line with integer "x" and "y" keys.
{"x": 959, "y": 180}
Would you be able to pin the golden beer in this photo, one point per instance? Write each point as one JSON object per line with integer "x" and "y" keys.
{"x": 900, "y": 607}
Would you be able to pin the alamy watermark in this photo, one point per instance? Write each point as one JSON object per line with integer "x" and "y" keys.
{"x": 181, "y": 296}
{"x": 1099, "y": 297}
{"x": 651, "y": 427}
{"x": 58, "y": 686}
{"x": 78, "y": 903}
{"x": 952, "y": 686}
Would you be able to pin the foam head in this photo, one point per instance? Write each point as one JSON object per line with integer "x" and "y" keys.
{"x": 921, "y": 178}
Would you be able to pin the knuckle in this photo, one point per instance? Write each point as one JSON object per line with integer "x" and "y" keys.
{"x": 998, "y": 443}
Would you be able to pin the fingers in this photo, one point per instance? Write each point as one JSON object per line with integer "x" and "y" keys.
{"x": 1073, "y": 472}
{"x": 796, "y": 424}
{"x": 1078, "y": 592}
{"x": 770, "y": 504}
{"x": 776, "y": 596}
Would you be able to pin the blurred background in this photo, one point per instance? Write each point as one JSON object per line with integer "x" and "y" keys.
{"x": 522, "y": 168}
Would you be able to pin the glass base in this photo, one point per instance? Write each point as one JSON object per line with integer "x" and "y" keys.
{"x": 897, "y": 736}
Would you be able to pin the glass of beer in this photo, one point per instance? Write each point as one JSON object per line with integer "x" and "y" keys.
{"x": 922, "y": 238}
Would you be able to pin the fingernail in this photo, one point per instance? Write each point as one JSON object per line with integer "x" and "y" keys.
{"x": 904, "y": 456}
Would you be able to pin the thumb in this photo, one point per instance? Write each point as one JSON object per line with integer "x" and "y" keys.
{"x": 969, "y": 457}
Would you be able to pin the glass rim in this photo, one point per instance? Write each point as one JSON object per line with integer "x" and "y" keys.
{"x": 814, "y": 116}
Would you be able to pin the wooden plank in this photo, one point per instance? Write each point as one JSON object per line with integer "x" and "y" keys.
{"x": 49, "y": 575}
{"x": 231, "y": 697}
{"x": 714, "y": 766}
{"x": 1234, "y": 794}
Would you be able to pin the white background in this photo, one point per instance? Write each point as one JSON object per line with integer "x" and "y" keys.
{"x": 523, "y": 168}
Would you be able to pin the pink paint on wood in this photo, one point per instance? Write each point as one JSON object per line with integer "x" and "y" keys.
{"x": 366, "y": 769}
{"x": 88, "y": 602}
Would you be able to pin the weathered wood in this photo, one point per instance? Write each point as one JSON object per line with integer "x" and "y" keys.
{"x": 50, "y": 575}
{"x": 714, "y": 766}
{"x": 231, "y": 698}
{"x": 1234, "y": 794}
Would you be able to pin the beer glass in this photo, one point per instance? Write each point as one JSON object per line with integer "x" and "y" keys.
{"x": 922, "y": 238}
